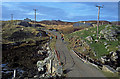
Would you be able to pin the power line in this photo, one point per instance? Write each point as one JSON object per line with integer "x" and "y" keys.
{"x": 98, "y": 18}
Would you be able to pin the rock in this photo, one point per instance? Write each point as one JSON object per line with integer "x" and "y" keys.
{"x": 106, "y": 36}
{"x": 111, "y": 52}
{"x": 22, "y": 29}
{"x": 84, "y": 49}
{"x": 107, "y": 68}
{"x": 94, "y": 32}
{"x": 40, "y": 65}
{"x": 116, "y": 39}
{"x": 102, "y": 59}
{"x": 114, "y": 58}
{"x": 80, "y": 44}
{"x": 48, "y": 52}
{"x": 108, "y": 49}
{"x": 114, "y": 54}
{"x": 36, "y": 76}
{"x": 102, "y": 32}
{"x": 94, "y": 53}
{"x": 48, "y": 48}
{"x": 107, "y": 46}
{"x": 89, "y": 38}
{"x": 109, "y": 33}
{"x": 86, "y": 28}
{"x": 99, "y": 37}
{"x": 105, "y": 43}
{"x": 40, "y": 52}
{"x": 118, "y": 47}
{"x": 93, "y": 35}
{"x": 91, "y": 42}
{"x": 118, "y": 69}
{"x": 96, "y": 40}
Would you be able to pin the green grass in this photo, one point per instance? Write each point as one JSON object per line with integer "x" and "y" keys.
{"x": 52, "y": 44}
{"x": 110, "y": 75}
{"x": 98, "y": 47}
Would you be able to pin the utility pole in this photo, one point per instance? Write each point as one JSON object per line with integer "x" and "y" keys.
{"x": 35, "y": 16}
{"x": 11, "y": 17}
{"x": 98, "y": 18}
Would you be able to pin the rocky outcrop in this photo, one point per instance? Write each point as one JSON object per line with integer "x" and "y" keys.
{"x": 109, "y": 33}
{"x": 112, "y": 59}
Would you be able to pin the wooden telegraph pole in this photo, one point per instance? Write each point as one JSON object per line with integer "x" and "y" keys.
{"x": 98, "y": 18}
{"x": 11, "y": 17}
{"x": 35, "y": 16}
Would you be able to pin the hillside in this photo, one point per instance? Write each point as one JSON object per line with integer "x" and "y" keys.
{"x": 17, "y": 31}
{"x": 55, "y": 22}
{"x": 68, "y": 27}
{"x": 107, "y": 45}
{"x": 20, "y": 46}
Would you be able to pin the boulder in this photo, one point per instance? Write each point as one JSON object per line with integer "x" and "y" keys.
{"x": 96, "y": 40}
{"x": 118, "y": 47}
{"x": 40, "y": 65}
{"x": 114, "y": 58}
{"x": 40, "y": 52}
{"x": 105, "y": 43}
{"x": 102, "y": 59}
{"x": 89, "y": 38}
{"x": 118, "y": 69}
{"x": 114, "y": 54}
{"x": 111, "y": 53}
{"x": 106, "y": 47}
{"x": 93, "y": 35}
{"x": 106, "y": 36}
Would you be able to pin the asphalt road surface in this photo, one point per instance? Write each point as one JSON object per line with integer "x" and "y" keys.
{"x": 72, "y": 64}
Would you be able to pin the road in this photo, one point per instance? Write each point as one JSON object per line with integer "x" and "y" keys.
{"x": 72, "y": 64}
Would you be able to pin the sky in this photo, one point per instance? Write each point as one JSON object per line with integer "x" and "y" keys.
{"x": 65, "y": 11}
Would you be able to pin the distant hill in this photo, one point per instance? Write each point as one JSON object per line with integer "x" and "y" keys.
{"x": 95, "y": 22}
{"x": 56, "y": 22}
{"x": 59, "y": 22}
{"x": 115, "y": 22}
